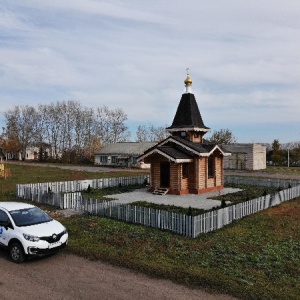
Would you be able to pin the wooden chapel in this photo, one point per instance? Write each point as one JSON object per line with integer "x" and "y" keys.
{"x": 184, "y": 163}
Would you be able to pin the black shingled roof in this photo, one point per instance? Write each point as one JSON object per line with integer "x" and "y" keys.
{"x": 174, "y": 152}
{"x": 187, "y": 114}
{"x": 169, "y": 142}
{"x": 180, "y": 148}
{"x": 199, "y": 147}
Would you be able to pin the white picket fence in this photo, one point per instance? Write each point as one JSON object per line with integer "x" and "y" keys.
{"x": 62, "y": 200}
{"x": 25, "y": 191}
{"x": 38, "y": 196}
{"x": 161, "y": 219}
{"x": 278, "y": 183}
{"x": 219, "y": 218}
{"x": 190, "y": 226}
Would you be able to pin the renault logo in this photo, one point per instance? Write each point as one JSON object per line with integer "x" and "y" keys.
{"x": 54, "y": 236}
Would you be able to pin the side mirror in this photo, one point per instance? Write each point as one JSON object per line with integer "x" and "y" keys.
{"x": 6, "y": 224}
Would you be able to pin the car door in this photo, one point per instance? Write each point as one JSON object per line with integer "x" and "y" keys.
{"x": 4, "y": 231}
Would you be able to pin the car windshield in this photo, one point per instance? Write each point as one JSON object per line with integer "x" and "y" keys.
{"x": 29, "y": 216}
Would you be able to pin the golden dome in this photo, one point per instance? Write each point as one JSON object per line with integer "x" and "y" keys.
{"x": 188, "y": 80}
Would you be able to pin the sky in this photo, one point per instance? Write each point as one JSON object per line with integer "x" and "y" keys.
{"x": 243, "y": 58}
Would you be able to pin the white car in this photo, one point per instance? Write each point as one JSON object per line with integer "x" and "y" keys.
{"x": 26, "y": 230}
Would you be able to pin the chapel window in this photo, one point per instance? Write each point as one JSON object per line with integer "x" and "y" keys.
{"x": 211, "y": 166}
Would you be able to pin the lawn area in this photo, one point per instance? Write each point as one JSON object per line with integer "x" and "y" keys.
{"x": 31, "y": 174}
{"x": 255, "y": 258}
{"x": 282, "y": 170}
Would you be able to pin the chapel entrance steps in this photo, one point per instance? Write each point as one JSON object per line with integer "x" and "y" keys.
{"x": 160, "y": 191}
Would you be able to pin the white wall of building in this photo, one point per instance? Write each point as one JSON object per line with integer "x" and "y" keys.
{"x": 246, "y": 157}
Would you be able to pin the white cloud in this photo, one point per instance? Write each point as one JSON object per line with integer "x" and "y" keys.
{"x": 243, "y": 57}
{"x": 11, "y": 21}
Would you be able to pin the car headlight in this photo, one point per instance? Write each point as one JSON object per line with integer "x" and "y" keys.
{"x": 31, "y": 238}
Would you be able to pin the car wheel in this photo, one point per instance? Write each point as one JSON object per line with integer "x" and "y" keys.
{"x": 16, "y": 252}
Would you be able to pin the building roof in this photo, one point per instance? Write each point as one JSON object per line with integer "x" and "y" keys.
{"x": 181, "y": 150}
{"x": 187, "y": 118}
{"x": 175, "y": 153}
{"x": 132, "y": 148}
{"x": 198, "y": 147}
{"x": 244, "y": 148}
{"x": 188, "y": 115}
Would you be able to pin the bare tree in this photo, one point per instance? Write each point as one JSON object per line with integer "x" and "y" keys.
{"x": 142, "y": 134}
{"x": 119, "y": 130}
{"x": 110, "y": 126}
{"x": 158, "y": 134}
{"x": 84, "y": 130}
{"x": 90, "y": 149}
{"x": 52, "y": 116}
{"x": 9, "y": 143}
{"x": 151, "y": 133}
{"x": 69, "y": 129}
{"x": 223, "y": 137}
{"x": 88, "y": 128}
{"x": 21, "y": 122}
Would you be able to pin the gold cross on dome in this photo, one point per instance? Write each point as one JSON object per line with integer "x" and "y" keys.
{"x": 187, "y": 71}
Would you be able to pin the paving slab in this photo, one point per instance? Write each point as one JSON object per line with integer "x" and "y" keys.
{"x": 202, "y": 201}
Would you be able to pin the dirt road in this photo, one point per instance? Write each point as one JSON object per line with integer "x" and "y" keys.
{"x": 259, "y": 173}
{"x": 65, "y": 276}
{"x": 86, "y": 168}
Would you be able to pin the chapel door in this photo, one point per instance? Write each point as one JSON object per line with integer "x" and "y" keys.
{"x": 164, "y": 175}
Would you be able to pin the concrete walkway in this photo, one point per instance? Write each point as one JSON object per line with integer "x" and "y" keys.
{"x": 202, "y": 201}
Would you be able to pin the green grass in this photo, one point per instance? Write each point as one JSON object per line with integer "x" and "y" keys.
{"x": 100, "y": 194}
{"x": 248, "y": 192}
{"x": 31, "y": 174}
{"x": 255, "y": 258}
{"x": 282, "y": 170}
{"x": 190, "y": 211}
